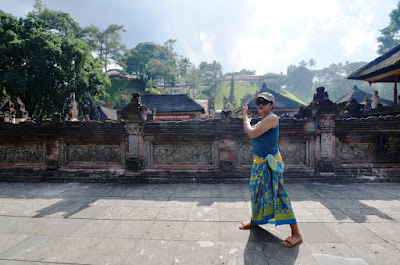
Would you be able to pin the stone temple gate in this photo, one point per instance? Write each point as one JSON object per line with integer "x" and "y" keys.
{"x": 321, "y": 145}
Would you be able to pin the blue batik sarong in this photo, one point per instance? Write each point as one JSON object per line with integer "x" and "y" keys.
{"x": 269, "y": 200}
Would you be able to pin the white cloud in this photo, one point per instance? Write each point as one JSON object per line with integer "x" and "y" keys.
{"x": 262, "y": 35}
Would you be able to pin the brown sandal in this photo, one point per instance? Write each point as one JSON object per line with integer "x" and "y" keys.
{"x": 291, "y": 242}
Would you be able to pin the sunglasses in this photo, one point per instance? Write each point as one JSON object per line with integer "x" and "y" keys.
{"x": 263, "y": 102}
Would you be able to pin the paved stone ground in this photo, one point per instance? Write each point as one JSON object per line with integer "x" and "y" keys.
{"x": 77, "y": 223}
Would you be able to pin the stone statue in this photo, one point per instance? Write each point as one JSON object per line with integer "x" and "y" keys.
{"x": 89, "y": 109}
{"x": 20, "y": 113}
{"x": 8, "y": 111}
{"x": 71, "y": 108}
{"x": 321, "y": 95}
{"x": 376, "y": 101}
{"x": 368, "y": 102}
{"x": 354, "y": 108}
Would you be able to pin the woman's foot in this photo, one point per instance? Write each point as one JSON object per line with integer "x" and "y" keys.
{"x": 292, "y": 241}
{"x": 246, "y": 225}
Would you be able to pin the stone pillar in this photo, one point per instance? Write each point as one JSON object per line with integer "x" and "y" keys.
{"x": 134, "y": 114}
{"x": 227, "y": 154}
{"x": 326, "y": 154}
{"x": 325, "y": 112}
{"x": 52, "y": 153}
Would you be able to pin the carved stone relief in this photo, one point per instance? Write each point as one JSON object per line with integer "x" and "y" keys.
{"x": 327, "y": 125}
{"x": 183, "y": 154}
{"x": 246, "y": 154}
{"x": 94, "y": 153}
{"x": 293, "y": 153}
{"x": 326, "y": 144}
{"x": 21, "y": 153}
{"x": 355, "y": 153}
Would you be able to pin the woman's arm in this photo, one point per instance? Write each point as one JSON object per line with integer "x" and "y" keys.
{"x": 263, "y": 126}
{"x": 256, "y": 130}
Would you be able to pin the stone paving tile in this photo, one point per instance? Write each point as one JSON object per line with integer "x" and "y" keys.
{"x": 64, "y": 227}
{"x": 177, "y": 214}
{"x": 315, "y": 204}
{"x": 30, "y": 249}
{"x": 204, "y": 214}
{"x": 66, "y": 207}
{"x": 203, "y": 231}
{"x": 110, "y": 251}
{"x": 223, "y": 203}
{"x": 347, "y": 203}
{"x": 61, "y": 249}
{"x": 390, "y": 233}
{"x": 367, "y": 215}
{"x": 96, "y": 228}
{"x": 191, "y": 223}
{"x": 377, "y": 253}
{"x": 165, "y": 230}
{"x": 319, "y": 233}
{"x": 335, "y": 249}
{"x": 354, "y": 233}
{"x": 152, "y": 252}
{"x": 331, "y": 215}
{"x": 231, "y": 193}
{"x": 24, "y": 225}
{"x": 197, "y": 252}
{"x": 232, "y": 253}
{"x": 130, "y": 229}
{"x": 229, "y": 231}
{"x": 151, "y": 202}
{"x": 393, "y": 213}
{"x": 234, "y": 214}
{"x": 304, "y": 215}
{"x": 143, "y": 213}
{"x": 25, "y": 207}
{"x": 8, "y": 241}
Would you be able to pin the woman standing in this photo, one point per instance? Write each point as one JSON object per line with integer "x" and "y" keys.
{"x": 269, "y": 200}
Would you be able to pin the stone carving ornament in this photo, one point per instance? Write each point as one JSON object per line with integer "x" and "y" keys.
{"x": 326, "y": 125}
{"x": 21, "y": 153}
{"x": 94, "y": 153}
{"x": 351, "y": 153}
{"x": 183, "y": 154}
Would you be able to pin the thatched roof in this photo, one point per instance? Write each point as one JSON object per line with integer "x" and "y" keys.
{"x": 171, "y": 103}
{"x": 359, "y": 95}
{"x": 107, "y": 114}
{"x": 281, "y": 102}
{"x": 385, "y": 68}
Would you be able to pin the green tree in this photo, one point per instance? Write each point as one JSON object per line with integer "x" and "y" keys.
{"x": 246, "y": 98}
{"x": 164, "y": 65}
{"x": 211, "y": 74}
{"x": 107, "y": 43}
{"x": 390, "y": 36}
{"x": 242, "y": 72}
{"x": 139, "y": 57}
{"x": 184, "y": 65}
{"x": 59, "y": 22}
{"x": 300, "y": 79}
{"x": 43, "y": 68}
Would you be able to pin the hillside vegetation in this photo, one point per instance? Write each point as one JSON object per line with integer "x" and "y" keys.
{"x": 242, "y": 88}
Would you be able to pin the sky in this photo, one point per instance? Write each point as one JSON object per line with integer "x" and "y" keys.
{"x": 262, "y": 35}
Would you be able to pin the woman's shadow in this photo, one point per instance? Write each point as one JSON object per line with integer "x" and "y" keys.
{"x": 265, "y": 248}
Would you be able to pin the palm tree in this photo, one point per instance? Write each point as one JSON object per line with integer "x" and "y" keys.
{"x": 303, "y": 63}
{"x": 312, "y": 63}
{"x": 184, "y": 65}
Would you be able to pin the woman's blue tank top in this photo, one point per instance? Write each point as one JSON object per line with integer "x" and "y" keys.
{"x": 267, "y": 143}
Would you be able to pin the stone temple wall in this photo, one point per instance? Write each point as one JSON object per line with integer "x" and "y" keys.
{"x": 321, "y": 148}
